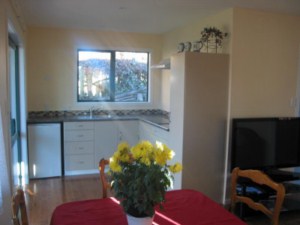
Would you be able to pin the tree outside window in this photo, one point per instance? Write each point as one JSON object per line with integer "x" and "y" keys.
{"x": 115, "y": 76}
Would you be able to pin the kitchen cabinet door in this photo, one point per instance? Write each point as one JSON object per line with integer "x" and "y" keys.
{"x": 105, "y": 140}
{"x": 199, "y": 106}
{"x": 128, "y": 131}
{"x": 44, "y": 146}
{"x": 152, "y": 133}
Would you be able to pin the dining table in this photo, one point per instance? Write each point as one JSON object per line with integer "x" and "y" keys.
{"x": 181, "y": 207}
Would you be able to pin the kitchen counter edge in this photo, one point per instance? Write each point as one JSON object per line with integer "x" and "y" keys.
{"x": 157, "y": 120}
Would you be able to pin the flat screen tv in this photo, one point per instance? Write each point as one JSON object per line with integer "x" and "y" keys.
{"x": 265, "y": 143}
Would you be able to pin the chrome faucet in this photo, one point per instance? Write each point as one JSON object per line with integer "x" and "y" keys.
{"x": 91, "y": 111}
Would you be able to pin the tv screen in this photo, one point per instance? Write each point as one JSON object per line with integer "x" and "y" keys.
{"x": 260, "y": 143}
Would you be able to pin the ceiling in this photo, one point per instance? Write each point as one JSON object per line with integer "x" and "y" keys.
{"x": 146, "y": 16}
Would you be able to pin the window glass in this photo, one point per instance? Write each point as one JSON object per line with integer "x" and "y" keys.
{"x": 94, "y": 76}
{"x": 113, "y": 76}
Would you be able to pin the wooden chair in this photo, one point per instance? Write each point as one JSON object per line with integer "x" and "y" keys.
{"x": 258, "y": 177}
{"x": 19, "y": 208}
{"x": 103, "y": 176}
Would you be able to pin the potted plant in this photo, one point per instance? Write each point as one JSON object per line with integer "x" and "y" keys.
{"x": 141, "y": 176}
{"x": 212, "y": 37}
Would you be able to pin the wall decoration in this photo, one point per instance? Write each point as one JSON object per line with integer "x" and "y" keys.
{"x": 187, "y": 46}
{"x": 196, "y": 46}
{"x": 180, "y": 47}
{"x": 210, "y": 41}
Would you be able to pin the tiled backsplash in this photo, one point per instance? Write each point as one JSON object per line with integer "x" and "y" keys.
{"x": 51, "y": 114}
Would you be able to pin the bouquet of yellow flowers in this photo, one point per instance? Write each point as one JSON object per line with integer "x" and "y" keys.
{"x": 141, "y": 176}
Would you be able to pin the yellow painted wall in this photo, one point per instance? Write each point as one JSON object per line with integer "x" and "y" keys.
{"x": 265, "y": 58}
{"x": 52, "y": 64}
{"x": 264, "y": 65}
{"x": 190, "y": 33}
{"x": 264, "y": 53}
{"x": 264, "y": 69}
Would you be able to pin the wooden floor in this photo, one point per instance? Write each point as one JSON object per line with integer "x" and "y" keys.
{"x": 43, "y": 195}
{"x": 49, "y": 193}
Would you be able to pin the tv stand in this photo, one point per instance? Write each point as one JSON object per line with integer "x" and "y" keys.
{"x": 291, "y": 182}
{"x": 281, "y": 176}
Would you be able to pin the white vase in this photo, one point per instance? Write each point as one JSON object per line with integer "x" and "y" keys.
{"x": 139, "y": 220}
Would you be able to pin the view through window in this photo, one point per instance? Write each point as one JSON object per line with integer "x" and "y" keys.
{"x": 115, "y": 76}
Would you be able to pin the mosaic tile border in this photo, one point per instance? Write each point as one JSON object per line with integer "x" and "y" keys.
{"x": 52, "y": 114}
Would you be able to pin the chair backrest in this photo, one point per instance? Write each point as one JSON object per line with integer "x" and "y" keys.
{"x": 260, "y": 178}
{"x": 19, "y": 208}
{"x": 103, "y": 177}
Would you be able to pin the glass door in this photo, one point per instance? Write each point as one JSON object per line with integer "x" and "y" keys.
{"x": 14, "y": 113}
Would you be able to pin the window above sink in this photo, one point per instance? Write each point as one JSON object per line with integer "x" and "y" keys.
{"x": 112, "y": 76}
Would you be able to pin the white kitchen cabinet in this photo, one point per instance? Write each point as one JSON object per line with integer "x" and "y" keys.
{"x": 79, "y": 163}
{"x": 78, "y": 125}
{"x": 79, "y": 151}
{"x": 79, "y": 135}
{"x": 108, "y": 134}
{"x": 128, "y": 131}
{"x": 79, "y": 147}
{"x": 198, "y": 106}
{"x": 85, "y": 143}
{"x": 106, "y": 140}
{"x": 152, "y": 133}
{"x": 44, "y": 146}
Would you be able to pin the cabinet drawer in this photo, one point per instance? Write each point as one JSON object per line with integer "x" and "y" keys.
{"x": 79, "y": 162}
{"x": 78, "y": 135}
{"x": 78, "y": 126}
{"x": 79, "y": 147}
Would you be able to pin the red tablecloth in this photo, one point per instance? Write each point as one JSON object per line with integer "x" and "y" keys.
{"x": 182, "y": 207}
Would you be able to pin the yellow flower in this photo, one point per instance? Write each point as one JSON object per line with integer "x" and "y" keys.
{"x": 168, "y": 152}
{"x": 145, "y": 160}
{"x": 115, "y": 157}
{"x": 143, "y": 151}
{"x": 160, "y": 158}
{"x": 162, "y": 154}
{"x": 123, "y": 152}
{"x": 123, "y": 146}
{"x": 177, "y": 167}
{"x": 114, "y": 165}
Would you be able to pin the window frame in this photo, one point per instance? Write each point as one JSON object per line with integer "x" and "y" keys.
{"x": 112, "y": 77}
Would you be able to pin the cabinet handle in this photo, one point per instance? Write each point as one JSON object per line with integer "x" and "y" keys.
{"x": 80, "y": 162}
{"x": 81, "y": 148}
{"x": 80, "y": 125}
{"x": 80, "y": 136}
